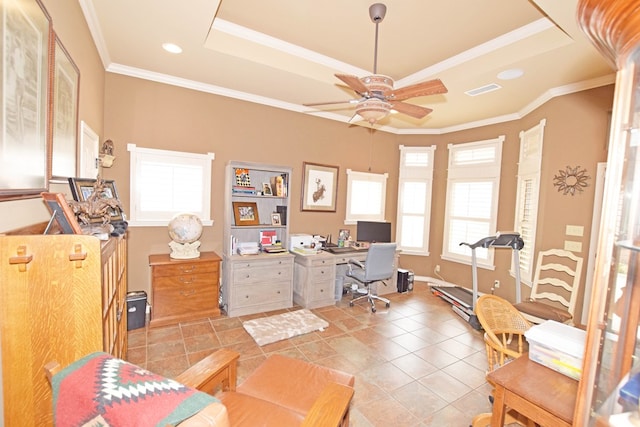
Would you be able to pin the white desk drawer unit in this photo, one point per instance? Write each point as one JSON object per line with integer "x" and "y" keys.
{"x": 319, "y": 278}
{"x": 314, "y": 281}
{"x": 257, "y": 283}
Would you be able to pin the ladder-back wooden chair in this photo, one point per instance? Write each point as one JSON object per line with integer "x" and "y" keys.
{"x": 554, "y": 291}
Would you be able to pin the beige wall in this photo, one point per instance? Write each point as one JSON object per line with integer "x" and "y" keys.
{"x": 153, "y": 115}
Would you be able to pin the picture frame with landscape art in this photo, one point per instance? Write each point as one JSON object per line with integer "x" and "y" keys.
{"x": 319, "y": 187}
{"x": 245, "y": 213}
{"x": 26, "y": 33}
{"x": 82, "y": 189}
{"x": 64, "y": 126}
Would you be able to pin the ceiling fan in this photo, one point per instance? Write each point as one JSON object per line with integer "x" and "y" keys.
{"x": 377, "y": 97}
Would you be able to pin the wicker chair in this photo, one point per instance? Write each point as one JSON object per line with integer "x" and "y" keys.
{"x": 504, "y": 340}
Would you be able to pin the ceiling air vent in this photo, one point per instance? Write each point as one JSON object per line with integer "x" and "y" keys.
{"x": 483, "y": 89}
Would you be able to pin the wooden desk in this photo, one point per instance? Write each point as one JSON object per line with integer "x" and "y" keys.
{"x": 535, "y": 391}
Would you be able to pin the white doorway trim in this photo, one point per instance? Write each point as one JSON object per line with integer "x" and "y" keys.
{"x": 593, "y": 242}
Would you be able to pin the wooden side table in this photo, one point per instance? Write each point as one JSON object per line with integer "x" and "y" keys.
{"x": 535, "y": 391}
{"x": 184, "y": 289}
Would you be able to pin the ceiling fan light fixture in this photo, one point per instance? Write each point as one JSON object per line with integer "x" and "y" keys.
{"x": 373, "y": 109}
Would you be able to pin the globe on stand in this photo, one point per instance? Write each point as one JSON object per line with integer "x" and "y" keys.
{"x": 185, "y": 229}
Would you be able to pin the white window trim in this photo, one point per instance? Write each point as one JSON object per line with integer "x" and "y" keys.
{"x": 470, "y": 173}
{"x": 138, "y": 153}
{"x": 529, "y": 168}
{"x": 352, "y": 218}
{"x": 422, "y": 174}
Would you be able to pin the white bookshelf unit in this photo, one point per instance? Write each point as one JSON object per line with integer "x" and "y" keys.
{"x": 260, "y": 281}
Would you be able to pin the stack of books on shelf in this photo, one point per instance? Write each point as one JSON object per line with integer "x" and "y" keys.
{"x": 273, "y": 249}
{"x": 240, "y": 189}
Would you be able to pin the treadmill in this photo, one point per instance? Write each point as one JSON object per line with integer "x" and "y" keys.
{"x": 463, "y": 300}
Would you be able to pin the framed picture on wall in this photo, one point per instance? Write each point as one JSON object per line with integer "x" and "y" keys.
{"x": 25, "y": 54}
{"x": 64, "y": 128}
{"x": 319, "y": 187}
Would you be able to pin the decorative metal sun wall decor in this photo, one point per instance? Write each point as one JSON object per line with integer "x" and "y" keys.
{"x": 571, "y": 180}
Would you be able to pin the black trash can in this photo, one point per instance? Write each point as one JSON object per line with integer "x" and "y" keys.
{"x": 136, "y": 309}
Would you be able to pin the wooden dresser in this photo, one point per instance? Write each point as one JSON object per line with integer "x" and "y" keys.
{"x": 61, "y": 298}
{"x": 184, "y": 289}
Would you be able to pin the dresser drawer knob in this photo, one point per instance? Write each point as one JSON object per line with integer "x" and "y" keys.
{"x": 189, "y": 269}
{"x": 187, "y": 293}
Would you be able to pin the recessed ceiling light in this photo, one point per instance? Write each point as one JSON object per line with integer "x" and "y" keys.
{"x": 172, "y": 48}
{"x": 511, "y": 74}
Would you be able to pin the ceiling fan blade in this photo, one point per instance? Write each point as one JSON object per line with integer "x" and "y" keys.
{"x": 315, "y": 104}
{"x": 354, "y": 83}
{"x": 431, "y": 87}
{"x": 412, "y": 110}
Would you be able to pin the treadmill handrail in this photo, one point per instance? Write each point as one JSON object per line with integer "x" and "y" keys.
{"x": 500, "y": 240}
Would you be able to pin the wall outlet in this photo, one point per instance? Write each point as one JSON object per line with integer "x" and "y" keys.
{"x": 496, "y": 284}
{"x": 437, "y": 268}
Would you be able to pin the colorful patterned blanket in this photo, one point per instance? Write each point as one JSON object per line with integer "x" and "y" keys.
{"x": 101, "y": 390}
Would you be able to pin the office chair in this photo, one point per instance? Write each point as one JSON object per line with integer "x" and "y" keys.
{"x": 377, "y": 267}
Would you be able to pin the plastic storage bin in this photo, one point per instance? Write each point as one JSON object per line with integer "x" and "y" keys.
{"x": 136, "y": 309}
{"x": 557, "y": 346}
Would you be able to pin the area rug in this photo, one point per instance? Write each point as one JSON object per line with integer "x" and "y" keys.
{"x": 266, "y": 330}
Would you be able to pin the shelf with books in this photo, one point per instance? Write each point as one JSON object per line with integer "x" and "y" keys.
{"x": 262, "y": 192}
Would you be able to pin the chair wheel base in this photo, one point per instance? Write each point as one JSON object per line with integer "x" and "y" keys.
{"x": 351, "y": 304}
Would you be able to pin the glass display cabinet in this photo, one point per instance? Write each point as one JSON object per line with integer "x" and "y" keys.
{"x": 610, "y": 384}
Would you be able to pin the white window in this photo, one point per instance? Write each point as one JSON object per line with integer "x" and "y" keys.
{"x": 471, "y": 210}
{"x": 165, "y": 183}
{"x": 529, "y": 168}
{"x": 414, "y": 199}
{"x": 366, "y": 196}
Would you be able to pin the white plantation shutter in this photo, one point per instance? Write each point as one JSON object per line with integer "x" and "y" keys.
{"x": 414, "y": 199}
{"x": 473, "y": 181}
{"x": 526, "y": 219}
{"x": 165, "y": 183}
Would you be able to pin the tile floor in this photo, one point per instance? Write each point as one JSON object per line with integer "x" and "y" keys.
{"x": 416, "y": 363}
